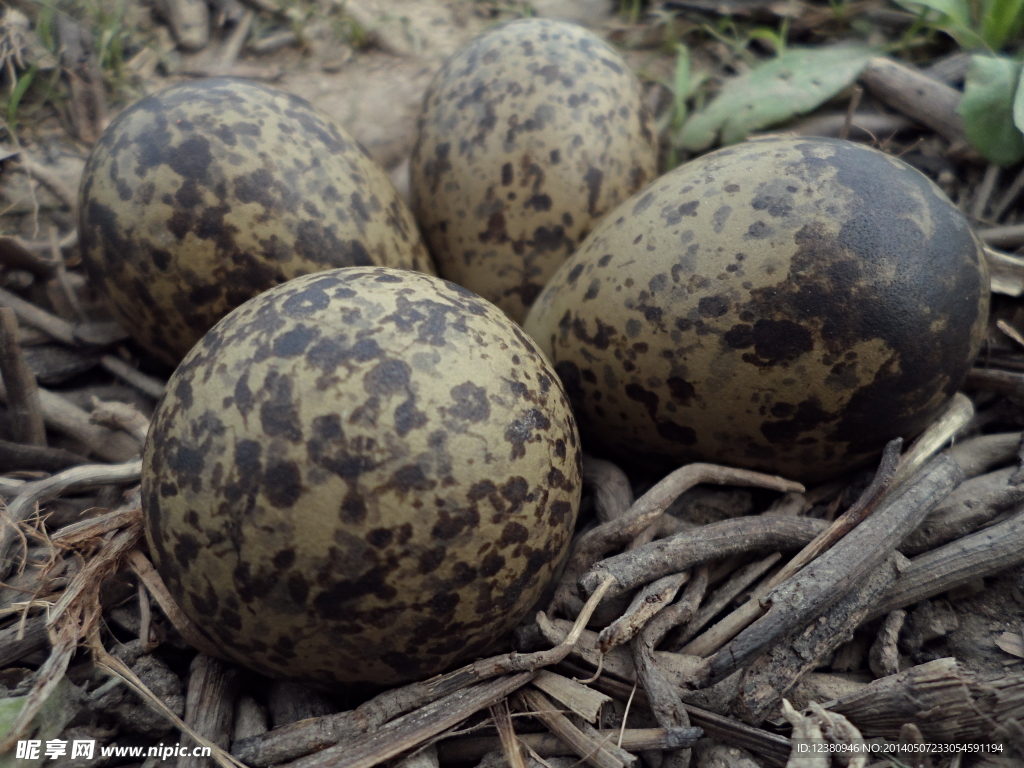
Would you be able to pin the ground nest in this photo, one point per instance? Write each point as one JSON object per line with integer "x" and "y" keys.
{"x": 713, "y": 616}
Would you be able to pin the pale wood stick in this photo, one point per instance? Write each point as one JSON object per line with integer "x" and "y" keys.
{"x": 590, "y": 750}
{"x": 209, "y": 705}
{"x": 30, "y": 314}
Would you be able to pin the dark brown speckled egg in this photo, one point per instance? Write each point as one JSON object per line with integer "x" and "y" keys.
{"x": 205, "y": 194}
{"x": 786, "y": 304}
{"x": 363, "y": 475}
{"x": 528, "y": 136}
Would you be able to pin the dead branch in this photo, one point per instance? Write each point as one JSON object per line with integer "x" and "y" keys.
{"x": 308, "y": 736}
{"x": 613, "y": 497}
{"x": 409, "y": 731}
{"x": 946, "y": 701}
{"x": 15, "y": 456}
{"x": 724, "y": 595}
{"x": 681, "y": 611}
{"x": 30, "y": 314}
{"x": 21, "y": 639}
{"x": 651, "y": 599}
{"x": 828, "y": 578}
{"x": 957, "y": 415}
{"x": 646, "y": 509}
{"x": 965, "y": 510}
{"x": 471, "y": 748}
{"x": 916, "y": 95}
{"x": 773, "y": 748}
{"x": 87, "y": 106}
{"x": 584, "y": 701}
{"x": 618, "y": 661}
{"x": 776, "y": 671}
{"x": 142, "y": 382}
{"x": 122, "y": 416}
{"x": 592, "y": 751}
{"x": 48, "y": 179}
{"x": 63, "y": 416}
{"x": 39, "y": 492}
{"x": 677, "y": 553}
{"x": 77, "y": 533}
{"x": 209, "y": 705}
{"x": 22, "y": 393}
{"x": 15, "y": 255}
{"x": 1009, "y": 383}
{"x": 662, "y": 697}
{"x": 978, "y": 455}
{"x": 884, "y": 656}
{"x": 981, "y": 554}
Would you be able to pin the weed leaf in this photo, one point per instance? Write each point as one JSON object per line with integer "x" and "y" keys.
{"x": 796, "y": 82}
{"x": 957, "y": 11}
{"x": 19, "y": 90}
{"x": 1002, "y": 22}
{"x": 61, "y": 706}
{"x": 988, "y": 108}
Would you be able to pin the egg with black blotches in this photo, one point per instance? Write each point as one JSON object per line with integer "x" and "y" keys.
{"x": 364, "y": 475}
{"x": 786, "y": 304}
{"x": 527, "y": 137}
{"x": 200, "y": 196}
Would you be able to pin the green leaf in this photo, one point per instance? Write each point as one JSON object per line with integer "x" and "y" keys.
{"x": 957, "y": 13}
{"x": 60, "y": 707}
{"x": 19, "y": 90}
{"x": 988, "y": 108}
{"x": 1001, "y": 22}
{"x": 796, "y": 82}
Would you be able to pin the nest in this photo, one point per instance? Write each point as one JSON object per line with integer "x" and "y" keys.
{"x": 701, "y": 633}
{"x": 716, "y": 616}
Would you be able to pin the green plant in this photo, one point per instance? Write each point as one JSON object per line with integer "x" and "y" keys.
{"x": 682, "y": 86}
{"x": 631, "y": 9}
{"x": 793, "y": 83}
{"x": 990, "y": 24}
{"x": 21, "y": 85}
{"x": 993, "y": 103}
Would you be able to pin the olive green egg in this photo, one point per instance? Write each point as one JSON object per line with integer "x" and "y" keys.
{"x": 364, "y": 475}
{"x": 205, "y": 194}
{"x": 527, "y": 137}
{"x": 787, "y": 304}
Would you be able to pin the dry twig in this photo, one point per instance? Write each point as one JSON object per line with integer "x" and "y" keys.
{"x": 75, "y": 479}
{"x": 302, "y": 738}
{"x": 981, "y": 554}
{"x": 651, "y": 599}
{"x": 469, "y": 749}
{"x": 63, "y": 416}
{"x": 209, "y": 705}
{"x": 945, "y": 700}
{"x": 830, "y": 577}
{"x": 916, "y": 95}
{"x": 715, "y": 540}
{"x": 22, "y": 393}
{"x": 594, "y": 752}
{"x": 732, "y": 624}
{"x": 650, "y": 506}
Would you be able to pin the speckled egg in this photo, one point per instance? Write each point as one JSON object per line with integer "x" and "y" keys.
{"x": 527, "y": 137}
{"x": 362, "y": 475}
{"x": 787, "y": 304}
{"x": 199, "y": 197}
